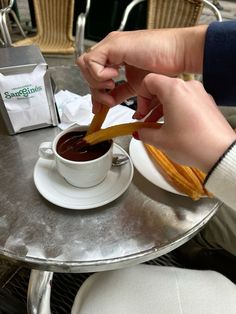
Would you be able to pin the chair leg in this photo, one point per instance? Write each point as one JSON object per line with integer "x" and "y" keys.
{"x": 5, "y": 31}
{"x": 39, "y": 292}
{"x": 79, "y": 37}
{"x": 2, "y": 30}
{"x": 2, "y": 42}
{"x": 17, "y": 22}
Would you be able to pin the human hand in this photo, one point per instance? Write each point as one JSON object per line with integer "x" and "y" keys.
{"x": 164, "y": 51}
{"x": 194, "y": 133}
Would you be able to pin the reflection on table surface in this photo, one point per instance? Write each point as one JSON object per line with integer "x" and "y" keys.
{"x": 143, "y": 223}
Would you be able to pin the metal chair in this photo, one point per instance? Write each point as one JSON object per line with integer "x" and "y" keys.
{"x": 80, "y": 29}
{"x": 6, "y": 9}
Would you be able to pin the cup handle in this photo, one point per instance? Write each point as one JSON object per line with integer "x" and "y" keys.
{"x": 45, "y": 150}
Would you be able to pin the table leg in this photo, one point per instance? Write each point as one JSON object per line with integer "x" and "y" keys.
{"x": 39, "y": 292}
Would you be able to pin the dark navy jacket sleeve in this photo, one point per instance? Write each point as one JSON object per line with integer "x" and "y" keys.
{"x": 219, "y": 64}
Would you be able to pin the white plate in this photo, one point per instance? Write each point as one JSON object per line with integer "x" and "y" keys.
{"x": 57, "y": 191}
{"x": 147, "y": 168}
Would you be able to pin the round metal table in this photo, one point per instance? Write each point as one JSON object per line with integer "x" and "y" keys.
{"x": 142, "y": 224}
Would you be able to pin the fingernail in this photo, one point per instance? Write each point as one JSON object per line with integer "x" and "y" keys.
{"x": 138, "y": 116}
{"x": 136, "y": 136}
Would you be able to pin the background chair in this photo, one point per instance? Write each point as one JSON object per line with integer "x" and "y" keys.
{"x": 179, "y": 13}
{"x": 171, "y": 13}
{"x": 54, "y": 23}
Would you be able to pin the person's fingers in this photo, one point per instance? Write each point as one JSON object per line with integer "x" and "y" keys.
{"x": 98, "y": 64}
{"x": 102, "y": 72}
{"x": 155, "y": 137}
{"x": 155, "y": 89}
{"x": 149, "y": 97}
{"x": 155, "y": 114}
{"x": 161, "y": 86}
{"x": 103, "y": 97}
{"x": 117, "y": 95}
{"x": 122, "y": 92}
{"x": 97, "y": 106}
{"x": 109, "y": 84}
{"x": 145, "y": 106}
{"x": 92, "y": 81}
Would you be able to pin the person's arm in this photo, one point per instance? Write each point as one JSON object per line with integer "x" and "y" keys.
{"x": 164, "y": 51}
{"x": 219, "y": 65}
{"x": 194, "y": 133}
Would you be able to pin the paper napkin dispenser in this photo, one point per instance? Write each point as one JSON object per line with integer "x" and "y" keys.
{"x": 27, "y": 100}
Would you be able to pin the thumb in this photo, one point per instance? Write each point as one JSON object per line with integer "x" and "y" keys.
{"x": 159, "y": 86}
{"x": 156, "y": 85}
{"x": 155, "y": 137}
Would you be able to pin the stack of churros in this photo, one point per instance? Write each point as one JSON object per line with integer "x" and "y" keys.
{"x": 186, "y": 180}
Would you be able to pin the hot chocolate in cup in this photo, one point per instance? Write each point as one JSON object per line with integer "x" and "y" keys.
{"x": 81, "y": 168}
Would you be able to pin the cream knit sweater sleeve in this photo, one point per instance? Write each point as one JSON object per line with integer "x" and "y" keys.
{"x": 221, "y": 180}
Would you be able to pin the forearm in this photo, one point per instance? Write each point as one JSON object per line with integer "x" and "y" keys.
{"x": 194, "y": 42}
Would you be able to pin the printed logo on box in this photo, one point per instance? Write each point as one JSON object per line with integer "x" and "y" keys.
{"x": 22, "y": 92}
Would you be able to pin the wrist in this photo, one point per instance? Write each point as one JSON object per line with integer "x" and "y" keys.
{"x": 194, "y": 42}
{"x": 220, "y": 160}
{"x": 216, "y": 155}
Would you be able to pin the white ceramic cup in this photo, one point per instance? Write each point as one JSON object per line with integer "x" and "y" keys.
{"x": 82, "y": 174}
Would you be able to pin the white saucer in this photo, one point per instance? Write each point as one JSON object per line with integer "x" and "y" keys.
{"x": 147, "y": 168}
{"x": 57, "y": 191}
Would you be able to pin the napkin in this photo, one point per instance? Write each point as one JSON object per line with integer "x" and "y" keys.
{"x": 74, "y": 108}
